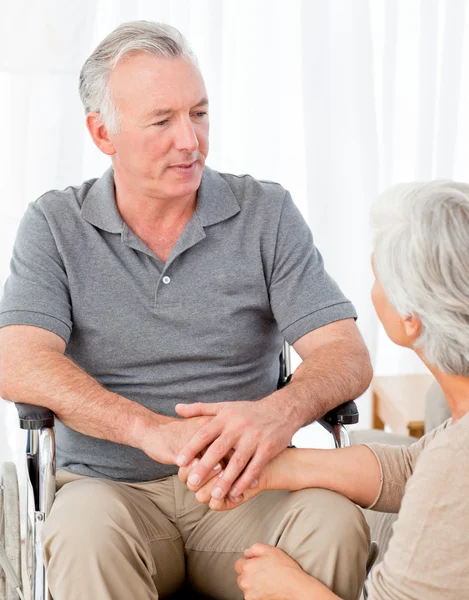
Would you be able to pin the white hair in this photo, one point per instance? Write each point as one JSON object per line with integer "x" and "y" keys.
{"x": 421, "y": 257}
{"x": 157, "y": 39}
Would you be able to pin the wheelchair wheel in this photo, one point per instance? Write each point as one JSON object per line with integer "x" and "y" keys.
{"x": 10, "y": 527}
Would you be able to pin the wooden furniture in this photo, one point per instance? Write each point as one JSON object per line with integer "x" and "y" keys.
{"x": 399, "y": 401}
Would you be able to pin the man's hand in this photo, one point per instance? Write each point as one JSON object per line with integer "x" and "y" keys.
{"x": 253, "y": 430}
{"x": 164, "y": 442}
{"x": 267, "y": 573}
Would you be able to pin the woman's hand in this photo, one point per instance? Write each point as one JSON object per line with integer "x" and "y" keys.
{"x": 267, "y": 573}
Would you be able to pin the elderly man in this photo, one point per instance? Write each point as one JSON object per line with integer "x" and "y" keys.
{"x": 164, "y": 283}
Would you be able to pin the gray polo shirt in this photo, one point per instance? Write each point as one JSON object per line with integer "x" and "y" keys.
{"x": 206, "y": 326}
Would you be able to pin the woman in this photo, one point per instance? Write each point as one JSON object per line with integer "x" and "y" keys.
{"x": 421, "y": 296}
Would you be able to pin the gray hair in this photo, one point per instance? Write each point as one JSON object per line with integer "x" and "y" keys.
{"x": 157, "y": 39}
{"x": 421, "y": 257}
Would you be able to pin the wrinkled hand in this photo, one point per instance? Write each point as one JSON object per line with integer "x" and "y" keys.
{"x": 267, "y": 573}
{"x": 254, "y": 432}
{"x": 164, "y": 443}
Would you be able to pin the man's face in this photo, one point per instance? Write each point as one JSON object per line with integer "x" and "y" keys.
{"x": 163, "y": 111}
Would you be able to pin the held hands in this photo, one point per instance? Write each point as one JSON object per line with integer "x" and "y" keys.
{"x": 204, "y": 495}
{"x": 253, "y": 431}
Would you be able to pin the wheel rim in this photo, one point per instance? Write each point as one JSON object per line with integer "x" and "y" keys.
{"x": 2, "y": 541}
{"x": 10, "y": 525}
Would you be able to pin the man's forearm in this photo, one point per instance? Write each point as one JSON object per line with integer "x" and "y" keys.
{"x": 337, "y": 372}
{"x": 46, "y": 377}
{"x": 353, "y": 472}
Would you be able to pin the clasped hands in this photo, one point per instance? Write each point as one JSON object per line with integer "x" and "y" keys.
{"x": 224, "y": 460}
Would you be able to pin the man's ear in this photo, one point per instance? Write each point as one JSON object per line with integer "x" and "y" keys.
{"x": 412, "y": 327}
{"x": 99, "y": 133}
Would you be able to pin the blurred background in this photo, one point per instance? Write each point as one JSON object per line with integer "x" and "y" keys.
{"x": 334, "y": 99}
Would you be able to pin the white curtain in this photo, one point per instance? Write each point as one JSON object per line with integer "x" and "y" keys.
{"x": 334, "y": 99}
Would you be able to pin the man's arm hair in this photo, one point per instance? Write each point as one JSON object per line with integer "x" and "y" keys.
{"x": 336, "y": 368}
{"x": 34, "y": 370}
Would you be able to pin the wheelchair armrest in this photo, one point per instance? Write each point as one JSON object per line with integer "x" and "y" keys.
{"x": 34, "y": 417}
{"x": 344, "y": 414}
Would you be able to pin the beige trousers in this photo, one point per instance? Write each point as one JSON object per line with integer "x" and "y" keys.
{"x": 107, "y": 540}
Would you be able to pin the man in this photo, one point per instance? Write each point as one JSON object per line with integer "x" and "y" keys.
{"x": 163, "y": 283}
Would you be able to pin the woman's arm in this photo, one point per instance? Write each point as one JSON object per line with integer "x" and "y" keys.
{"x": 353, "y": 472}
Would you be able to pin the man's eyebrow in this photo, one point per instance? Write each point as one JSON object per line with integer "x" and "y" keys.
{"x": 202, "y": 102}
{"x": 159, "y": 112}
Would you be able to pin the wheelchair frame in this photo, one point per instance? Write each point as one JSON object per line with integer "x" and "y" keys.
{"x": 40, "y": 460}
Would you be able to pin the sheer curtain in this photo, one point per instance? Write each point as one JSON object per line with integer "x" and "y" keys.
{"x": 334, "y": 99}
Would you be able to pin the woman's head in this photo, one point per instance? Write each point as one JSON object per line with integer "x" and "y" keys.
{"x": 421, "y": 261}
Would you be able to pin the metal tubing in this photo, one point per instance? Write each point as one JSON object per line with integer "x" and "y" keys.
{"x": 340, "y": 435}
{"x": 41, "y": 492}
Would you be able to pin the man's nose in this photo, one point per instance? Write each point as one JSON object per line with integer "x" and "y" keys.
{"x": 186, "y": 138}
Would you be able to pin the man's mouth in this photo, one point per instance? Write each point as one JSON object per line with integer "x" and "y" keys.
{"x": 184, "y": 168}
{"x": 183, "y": 165}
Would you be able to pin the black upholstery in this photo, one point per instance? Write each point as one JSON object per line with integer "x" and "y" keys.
{"x": 34, "y": 417}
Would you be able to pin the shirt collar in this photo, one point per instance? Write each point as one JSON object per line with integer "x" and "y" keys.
{"x": 99, "y": 207}
{"x": 215, "y": 202}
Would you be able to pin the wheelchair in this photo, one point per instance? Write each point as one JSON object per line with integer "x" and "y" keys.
{"x": 40, "y": 470}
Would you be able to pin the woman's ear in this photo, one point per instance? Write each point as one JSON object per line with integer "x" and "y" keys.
{"x": 412, "y": 327}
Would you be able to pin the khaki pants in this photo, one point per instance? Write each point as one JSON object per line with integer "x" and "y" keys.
{"x": 107, "y": 540}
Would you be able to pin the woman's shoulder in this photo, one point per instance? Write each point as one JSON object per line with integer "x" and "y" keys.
{"x": 450, "y": 437}
{"x": 440, "y": 475}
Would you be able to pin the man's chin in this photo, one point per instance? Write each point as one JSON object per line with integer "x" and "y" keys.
{"x": 183, "y": 188}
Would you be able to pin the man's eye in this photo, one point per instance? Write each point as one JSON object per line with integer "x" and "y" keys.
{"x": 201, "y": 114}
{"x": 161, "y": 123}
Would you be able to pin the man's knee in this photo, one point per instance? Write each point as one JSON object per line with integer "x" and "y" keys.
{"x": 323, "y": 519}
{"x": 340, "y": 517}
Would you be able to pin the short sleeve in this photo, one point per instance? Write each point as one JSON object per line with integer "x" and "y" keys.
{"x": 397, "y": 464}
{"x": 303, "y": 296}
{"x": 36, "y": 292}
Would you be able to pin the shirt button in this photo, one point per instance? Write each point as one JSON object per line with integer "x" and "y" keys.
{"x": 166, "y": 279}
